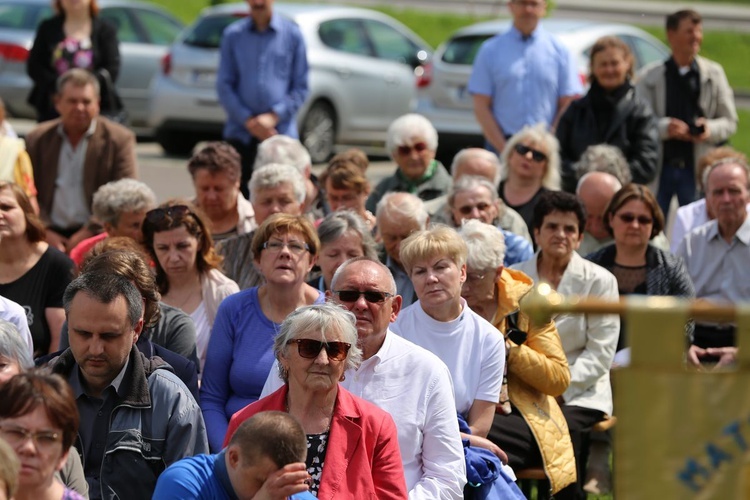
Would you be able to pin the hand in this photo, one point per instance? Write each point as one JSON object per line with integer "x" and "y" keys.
{"x": 706, "y": 132}
{"x": 57, "y": 240}
{"x": 481, "y": 442}
{"x": 727, "y": 355}
{"x": 679, "y": 130}
{"x": 284, "y": 483}
{"x": 262, "y": 126}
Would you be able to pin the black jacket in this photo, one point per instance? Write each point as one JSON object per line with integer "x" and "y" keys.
{"x": 633, "y": 129}
{"x": 106, "y": 55}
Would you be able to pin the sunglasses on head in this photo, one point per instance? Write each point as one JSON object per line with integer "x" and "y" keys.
{"x": 174, "y": 212}
{"x": 536, "y": 155}
{"x": 406, "y": 150}
{"x": 309, "y": 348}
{"x": 371, "y": 296}
{"x": 629, "y": 218}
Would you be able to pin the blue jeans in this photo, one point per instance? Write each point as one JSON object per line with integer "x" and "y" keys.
{"x": 675, "y": 181}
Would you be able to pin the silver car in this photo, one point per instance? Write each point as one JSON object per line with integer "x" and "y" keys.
{"x": 445, "y": 101}
{"x": 362, "y": 77}
{"x": 145, "y": 32}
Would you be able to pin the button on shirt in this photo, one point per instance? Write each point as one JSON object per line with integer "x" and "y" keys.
{"x": 525, "y": 77}
{"x": 719, "y": 270}
{"x": 95, "y": 419}
{"x": 69, "y": 206}
{"x": 260, "y": 72}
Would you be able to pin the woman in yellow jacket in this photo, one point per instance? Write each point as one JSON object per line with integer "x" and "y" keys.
{"x": 529, "y": 425}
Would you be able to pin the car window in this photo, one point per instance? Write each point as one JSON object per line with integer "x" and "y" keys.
{"x": 160, "y": 29}
{"x": 21, "y": 16}
{"x": 645, "y": 51}
{"x": 389, "y": 43}
{"x": 463, "y": 50}
{"x": 121, "y": 20}
{"x": 345, "y": 35}
{"x": 207, "y": 32}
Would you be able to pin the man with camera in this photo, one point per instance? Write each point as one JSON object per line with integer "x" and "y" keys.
{"x": 694, "y": 104}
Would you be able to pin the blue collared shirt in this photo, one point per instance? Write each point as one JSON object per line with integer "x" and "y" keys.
{"x": 260, "y": 72}
{"x": 524, "y": 77}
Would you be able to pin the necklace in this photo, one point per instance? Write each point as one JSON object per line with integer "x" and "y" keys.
{"x": 189, "y": 296}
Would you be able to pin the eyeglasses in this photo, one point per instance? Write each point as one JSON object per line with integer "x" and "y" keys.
{"x": 294, "y": 247}
{"x": 467, "y": 209}
{"x": 475, "y": 277}
{"x": 629, "y": 218}
{"x": 309, "y": 348}
{"x": 371, "y": 296}
{"x": 43, "y": 440}
{"x": 406, "y": 150}
{"x": 536, "y": 155}
{"x": 157, "y": 215}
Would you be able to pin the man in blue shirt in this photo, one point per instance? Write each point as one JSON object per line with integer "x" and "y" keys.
{"x": 265, "y": 460}
{"x": 522, "y": 77}
{"x": 262, "y": 80}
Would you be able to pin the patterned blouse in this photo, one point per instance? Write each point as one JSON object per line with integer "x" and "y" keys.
{"x": 316, "y": 454}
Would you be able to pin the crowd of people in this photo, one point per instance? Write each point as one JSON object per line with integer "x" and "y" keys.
{"x": 281, "y": 335}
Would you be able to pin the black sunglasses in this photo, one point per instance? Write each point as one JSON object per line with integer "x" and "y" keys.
{"x": 629, "y": 218}
{"x": 157, "y": 215}
{"x": 371, "y": 296}
{"x": 309, "y": 348}
{"x": 536, "y": 155}
{"x": 406, "y": 150}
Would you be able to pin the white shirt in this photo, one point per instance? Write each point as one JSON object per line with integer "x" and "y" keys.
{"x": 686, "y": 219}
{"x": 69, "y": 205}
{"x": 16, "y": 314}
{"x": 470, "y": 346}
{"x": 414, "y": 386}
{"x": 202, "y": 332}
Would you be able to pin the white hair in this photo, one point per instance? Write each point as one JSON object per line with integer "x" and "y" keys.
{"x": 114, "y": 198}
{"x": 284, "y": 150}
{"x": 405, "y": 128}
{"x": 404, "y": 204}
{"x": 273, "y": 175}
{"x": 485, "y": 243}
{"x": 467, "y": 154}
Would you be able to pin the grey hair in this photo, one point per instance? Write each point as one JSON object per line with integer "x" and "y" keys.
{"x": 13, "y": 346}
{"x": 114, "y": 198}
{"x": 391, "y": 286}
{"x": 320, "y": 318}
{"x": 105, "y": 288}
{"x": 469, "y": 182}
{"x": 405, "y": 128}
{"x": 604, "y": 158}
{"x": 78, "y": 77}
{"x": 467, "y": 154}
{"x": 273, "y": 175}
{"x": 540, "y": 135}
{"x": 608, "y": 179}
{"x": 732, "y": 160}
{"x": 486, "y": 244}
{"x": 284, "y": 150}
{"x": 337, "y": 224}
{"x": 404, "y": 204}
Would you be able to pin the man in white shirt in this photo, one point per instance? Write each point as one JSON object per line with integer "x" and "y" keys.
{"x": 409, "y": 382}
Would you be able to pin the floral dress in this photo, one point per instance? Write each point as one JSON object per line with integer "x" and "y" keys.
{"x": 72, "y": 53}
{"x": 316, "y": 454}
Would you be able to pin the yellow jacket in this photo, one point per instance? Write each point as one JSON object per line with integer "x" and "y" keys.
{"x": 537, "y": 373}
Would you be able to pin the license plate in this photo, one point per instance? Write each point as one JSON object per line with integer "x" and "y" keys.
{"x": 204, "y": 78}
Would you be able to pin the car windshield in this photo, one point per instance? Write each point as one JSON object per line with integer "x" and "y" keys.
{"x": 23, "y": 16}
{"x": 463, "y": 50}
{"x": 207, "y": 32}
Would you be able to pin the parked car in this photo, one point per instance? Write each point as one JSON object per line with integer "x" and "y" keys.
{"x": 145, "y": 32}
{"x": 362, "y": 77}
{"x": 445, "y": 101}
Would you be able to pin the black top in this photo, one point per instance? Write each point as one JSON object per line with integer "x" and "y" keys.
{"x": 316, "y": 455}
{"x": 39, "y": 66}
{"x": 41, "y": 287}
{"x": 683, "y": 92}
{"x": 526, "y": 210}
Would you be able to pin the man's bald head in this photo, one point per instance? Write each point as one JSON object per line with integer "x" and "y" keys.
{"x": 596, "y": 190}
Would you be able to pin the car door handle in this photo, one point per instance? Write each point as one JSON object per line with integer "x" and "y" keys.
{"x": 344, "y": 72}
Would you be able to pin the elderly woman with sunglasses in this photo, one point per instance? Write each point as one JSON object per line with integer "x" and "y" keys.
{"x": 442, "y": 322}
{"x": 531, "y": 167}
{"x": 634, "y": 218}
{"x": 412, "y": 143}
{"x": 240, "y": 354}
{"x": 353, "y": 447}
{"x": 187, "y": 267}
{"x": 39, "y": 420}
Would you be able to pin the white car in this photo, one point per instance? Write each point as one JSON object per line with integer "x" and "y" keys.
{"x": 445, "y": 101}
{"x": 363, "y": 75}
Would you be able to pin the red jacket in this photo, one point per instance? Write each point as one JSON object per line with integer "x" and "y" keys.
{"x": 362, "y": 459}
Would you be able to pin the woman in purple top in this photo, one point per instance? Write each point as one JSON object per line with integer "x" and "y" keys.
{"x": 240, "y": 352}
{"x": 39, "y": 420}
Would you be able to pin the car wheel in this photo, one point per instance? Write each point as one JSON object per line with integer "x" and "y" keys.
{"x": 318, "y": 132}
{"x": 176, "y": 143}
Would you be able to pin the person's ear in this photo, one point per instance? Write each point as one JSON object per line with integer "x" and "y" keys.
{"x": 396, "y": 304}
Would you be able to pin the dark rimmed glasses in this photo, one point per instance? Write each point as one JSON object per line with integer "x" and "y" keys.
{"x": 628, "y": 218}
{"x": 310, "y": 349}
{"x": 406, "y": 150}
{"x": 43, "y": 440}
{"x": 536, "y": 155}
{"x": 157, "y": 215}
{"x": 371, "y": 296}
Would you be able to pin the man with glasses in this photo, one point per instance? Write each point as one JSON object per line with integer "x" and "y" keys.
{"x": 523, "y": 76}
{"x": 409, "y": 382}
{"x": 137, "y": 417}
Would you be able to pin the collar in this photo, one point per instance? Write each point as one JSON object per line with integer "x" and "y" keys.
{"x": 78, "y": 384}
{"x": 525, "y": 38}
{"x": 222, "y": 475}
{"x": 428, "y": 174}
{"x": 742, "y": 234}
{"x": 382, "y": 354}
{"x": 274, "y": 24}
{"x": 393, "y": 266}
{"x": 89, "y": 132}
